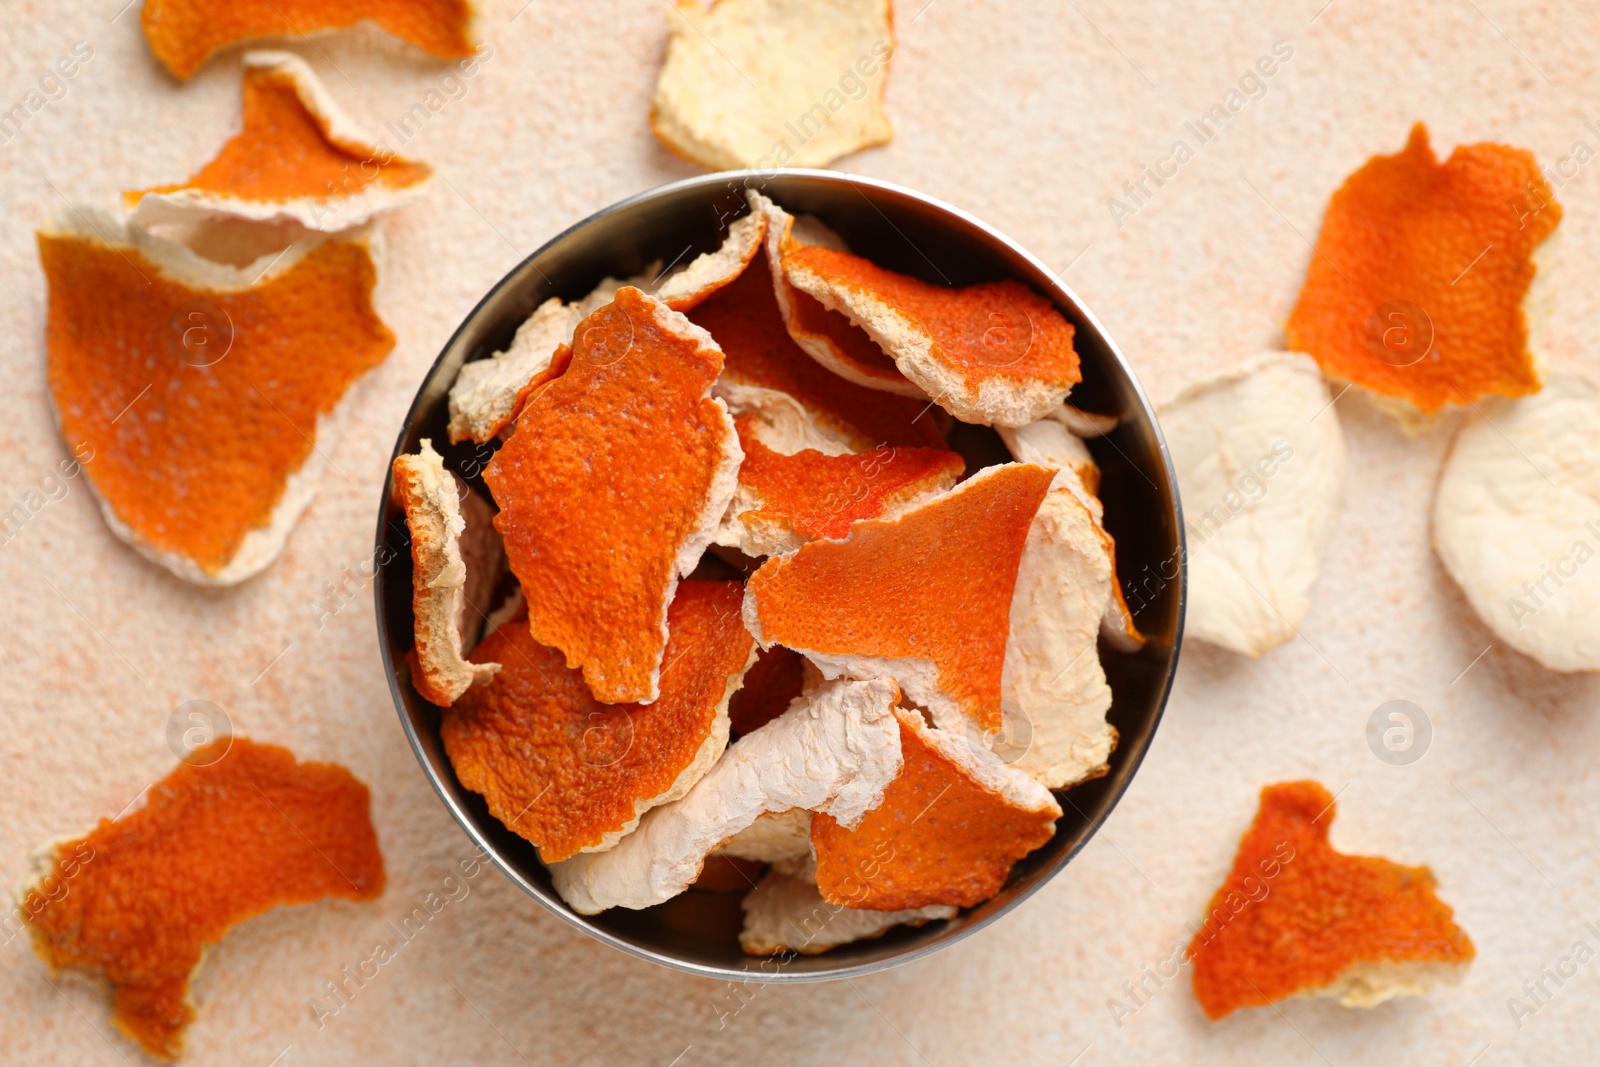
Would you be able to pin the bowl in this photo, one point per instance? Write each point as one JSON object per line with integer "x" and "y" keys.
{"x": 908, "y": 232}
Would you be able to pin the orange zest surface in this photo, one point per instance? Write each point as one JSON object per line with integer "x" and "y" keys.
{"x": 283, "y": 153}
{"x": 939, "y": 837}
{"x": 1293, "y": 914}
{"x": 564, "y": 770}
{"x": 996, "y": 330}
{"x": 1415, "y": 290}
{"x": 933, "y": 584}
{"x": 184, "y": 33}
{"x": 199, "y": 404}
{"x": 608, "y": 472}
{"x": 745, "y": 320}
{"x": 775, "y": 679}
{"x": 217, "y": 841}
{"x": 818, "y": 495}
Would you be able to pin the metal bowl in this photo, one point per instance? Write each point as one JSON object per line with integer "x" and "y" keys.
{"x": 915, "y": 234}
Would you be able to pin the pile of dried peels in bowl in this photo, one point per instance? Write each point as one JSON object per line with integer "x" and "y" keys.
{"x": 737, "y": 611}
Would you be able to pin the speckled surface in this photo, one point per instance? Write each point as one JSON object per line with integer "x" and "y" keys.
{"x": 1030, "y": 115}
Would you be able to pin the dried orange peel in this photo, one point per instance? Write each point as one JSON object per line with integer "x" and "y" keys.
{"x": 183, "y": 34}
{"x": 611, "y": 485}
{"x": 1296, "y": 918}
{"x": 440, "y": 608}
{"x": 774, "y": 681}
{"x": 826, "y": 336}
{"x": 786, "y": 913}
{"x": 1048, "y": 442}
{"x": 236, "y": 830}
{"x": 764, "y": 368}
{"x": 211, "y": 395}
{"x": 299, "y": 158}
{"x": 878, "y": 603}
{"x": 1415, "y": 291}
{"x": 1054, "y": 695}
{"x": 783, "y": 501}
{"x": 949, "y": 830}
{"x": 703, "y": 276}
{"x": 996, "y": 353}
{"x": 758, "y": 83}
{"x": 836, "y": 752}
{"x": 573, "y": 775}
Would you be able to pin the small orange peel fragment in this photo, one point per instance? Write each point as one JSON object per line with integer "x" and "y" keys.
{"x": 760, "y": 357}
{"x": 431, "y": 497}
{"x": 183, "y": 34}
{"x": 706, "y": 274}
{"x": 924, "y": 598}
{"x": 826, "y": 336}
{"x": 611, "y": 485}
{"x": 299, "y": 158}
{"x": 237, "y": 829}
{"x": 996, "y": 353}
{"x": 784, "y": 501}
{"x": 208, "y": 396}
{"x": 775, "y": 679}
{"x": 949, "y": 830}
{"x": 1296, "y": 918}
{"x": 573, "y": 775}
{"x": 1416, "y": 288}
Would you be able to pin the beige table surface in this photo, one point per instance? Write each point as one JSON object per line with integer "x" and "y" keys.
{"x": 1029, "y": 115}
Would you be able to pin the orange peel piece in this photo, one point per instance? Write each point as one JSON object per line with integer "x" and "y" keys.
{"x": 1296, "y": 918}
{"x": 819, "y": 72}
{"x": 826, "y": 336}
{"x": 760, "y": 359}
{"x": 949, "y": 830}
{"x": 774, "y": 681}
{"x": 183, "y": 34}
{"x": 783, "y": 501}
{"x": 210, "y": 395}
{"x": 431, "y": 497}
{"x": 299, "y": 158}
{"x": 611, "y": 485}
{"x": 574, "y": 775}
{"x": 691, "y": 285}
{"x": 836, "y": 751}
{"x": 879, "y": 602}
{"x": 237, "y": 829}
{"x": 1416, "y": 288}
{"x": 1050, "y": 443}
{"x": 786, "y": 913}
{"x": 996, "y": 353}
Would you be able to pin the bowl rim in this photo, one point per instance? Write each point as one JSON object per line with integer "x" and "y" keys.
{"x": 754, "y": 968}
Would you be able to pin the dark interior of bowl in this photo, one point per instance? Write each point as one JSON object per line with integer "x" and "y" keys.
{"x": 698, "y": 931}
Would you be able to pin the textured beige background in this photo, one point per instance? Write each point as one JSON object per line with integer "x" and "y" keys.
{"x": 1029, "y": 115}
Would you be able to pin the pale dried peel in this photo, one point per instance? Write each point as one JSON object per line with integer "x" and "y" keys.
{"x": 1260, "y": 461}
{"x": 785, "y": 913}
{"x": 430, "y": 496}
{"x": 483, "y": 400}
{"x": 1053, "y": 692}
{"x": 1516, "y": 519}
{"x": 173, "y": 268}
{"x": 778, "y": 837}
{"x": 705, "y": 274}
{"x": 1049, "y": 443}
{"x": 771, "y": 83}
{"x": 821, "y": 333}
{"x": 363, "y": 189}
{"x": 836, "y": 752}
